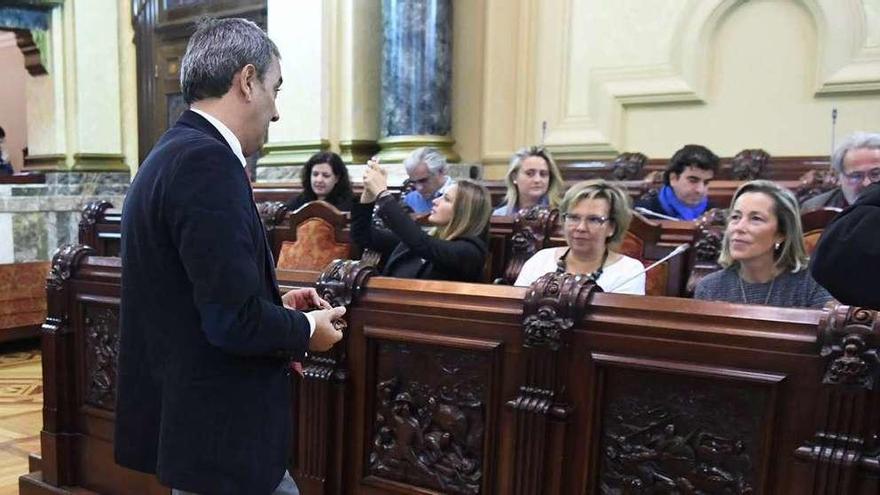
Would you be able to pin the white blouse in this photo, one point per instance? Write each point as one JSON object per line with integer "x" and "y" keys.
{"x": 544, "y": 261}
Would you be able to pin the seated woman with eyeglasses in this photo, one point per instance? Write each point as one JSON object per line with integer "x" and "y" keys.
{"x": 456, "y": 250}
{"x": 595, "y": 216}
{"x": 532, "y": 179}
{"x": 763, "y": 253}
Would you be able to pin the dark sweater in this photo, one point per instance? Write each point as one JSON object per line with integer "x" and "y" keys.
{"x": 410, "y": 252}
{"x": 847, "y": 259}
{"x": 789, "y": 290}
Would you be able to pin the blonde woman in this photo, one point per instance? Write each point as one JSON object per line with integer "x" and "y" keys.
{"x": 532, "y": 179}
{"x": 595, "y": 216}
{"x": 763, "y": 253}
{"x": 456, "y": 250}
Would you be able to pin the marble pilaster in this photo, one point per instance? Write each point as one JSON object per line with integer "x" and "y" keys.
{"x": 416, "y": 77}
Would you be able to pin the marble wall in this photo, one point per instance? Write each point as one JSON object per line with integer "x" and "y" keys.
{"x": 35, "y": 219}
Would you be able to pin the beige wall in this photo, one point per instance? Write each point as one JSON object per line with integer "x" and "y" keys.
{"x": 651, "y": 76}
{"x": 87, "y": 103}
{"x": 13, "y": 104}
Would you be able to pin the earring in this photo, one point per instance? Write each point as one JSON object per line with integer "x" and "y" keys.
{"x": 777, "y": 245}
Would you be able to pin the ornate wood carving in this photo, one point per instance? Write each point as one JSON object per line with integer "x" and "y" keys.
{"x": 272, "y": 213}
{"x": 749, "y": 164}
{"x": 628, "y": 166}
{"x": 532, "y": 229}
{"x": 64, "y": 264}
{"x": 681, "y": 435}
{"x": 850, "y": 342}
{"x": 708, "y": 237}
{"x": 814, "y": 183}
{"x": 93, "y": 211}
{"x": 102, "y": 352}
{"x": 430, "y": 420}
{"x": 342, "y": 281}
{"x": 846, "y": 438}
{"x": 325, "y": 375}
{"x": 553, "y": 304}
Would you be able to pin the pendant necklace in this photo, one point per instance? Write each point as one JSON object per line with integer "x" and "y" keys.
{"x": 743, "y": 290}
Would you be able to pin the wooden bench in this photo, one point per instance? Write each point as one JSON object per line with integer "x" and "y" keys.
{"x": 22, "y": 299}
{"x": 442, "y": 387}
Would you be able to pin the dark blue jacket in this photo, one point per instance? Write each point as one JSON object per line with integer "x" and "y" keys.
{"x": 204, "y": 379}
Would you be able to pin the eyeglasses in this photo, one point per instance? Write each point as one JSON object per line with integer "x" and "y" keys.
{"x": 423, "y": 180}
{"x": 592, "y": 221}
{"x": 854, "y": 178}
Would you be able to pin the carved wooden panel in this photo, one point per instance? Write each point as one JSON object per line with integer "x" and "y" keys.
{"x": 101, "y": 330}
{"x": 429, "y": 424}
{"x": 678, "y": 428}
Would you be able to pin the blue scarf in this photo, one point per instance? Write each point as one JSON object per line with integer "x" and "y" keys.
{"x": 675, "y": 207}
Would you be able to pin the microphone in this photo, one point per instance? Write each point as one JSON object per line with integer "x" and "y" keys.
{"x": 833, "y": 127}
{"x": 680, "y": 249}
{"x": 645, "y": 211}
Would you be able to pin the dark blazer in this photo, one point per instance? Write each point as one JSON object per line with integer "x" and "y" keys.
{"x": 847, "y": 259}
{"x": 410, "y": 252}
{"x": 204, "y": 378}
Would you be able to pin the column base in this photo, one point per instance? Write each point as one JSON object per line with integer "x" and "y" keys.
{"x": 357, "y": 151}
{"x": 396, "y": 148}
{"x": 291, "y": 152}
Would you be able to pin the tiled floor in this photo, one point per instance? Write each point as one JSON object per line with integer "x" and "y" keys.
{"x": 21, "y": 404}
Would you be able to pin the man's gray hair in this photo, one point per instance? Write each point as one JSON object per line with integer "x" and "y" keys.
{"x": 857, "y": 141}
{"x": 431, "y": 157}
{"x": 217, "y": 50}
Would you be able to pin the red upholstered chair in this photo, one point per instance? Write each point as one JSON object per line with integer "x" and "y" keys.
{"x": 315, "y": 234}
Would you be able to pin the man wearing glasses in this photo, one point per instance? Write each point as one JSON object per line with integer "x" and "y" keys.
{"x": 426, "y": 168}
{"x": 847, "y": 259}
{"x": 857, "y": 164}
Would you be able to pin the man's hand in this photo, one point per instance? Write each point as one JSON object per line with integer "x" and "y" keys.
{"x": 326, "y": 333}
{"x": 304, "y": 299}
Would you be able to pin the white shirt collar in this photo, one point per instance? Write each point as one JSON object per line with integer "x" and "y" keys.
{"x": 226, "y": 133}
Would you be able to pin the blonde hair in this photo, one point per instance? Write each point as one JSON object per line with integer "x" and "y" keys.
{"x": 792, "y": 254}
{"x": 554, "y": 188}
{"x": 619, "y": 210}
{"x": 471, "y": 210}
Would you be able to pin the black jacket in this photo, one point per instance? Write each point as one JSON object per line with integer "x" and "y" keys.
{"x": 847, "y": 258}
{"x": 410, "y": 252}
{"x": 341, "y": 202}
{"x": 204, "y": 377}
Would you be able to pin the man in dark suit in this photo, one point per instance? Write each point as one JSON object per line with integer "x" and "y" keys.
{"x": 207, "y": 341}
